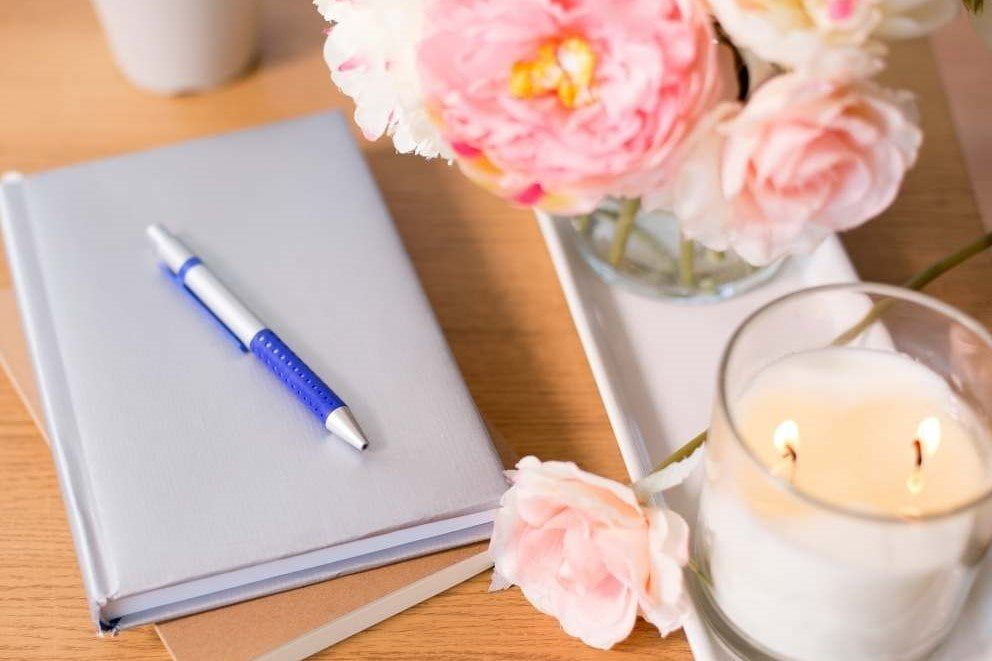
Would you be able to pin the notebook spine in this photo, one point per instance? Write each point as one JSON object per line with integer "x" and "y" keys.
{"x": 56, "y": 400}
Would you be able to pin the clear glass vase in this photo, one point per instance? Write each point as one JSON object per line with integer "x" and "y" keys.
{"x": 645, "y": 252}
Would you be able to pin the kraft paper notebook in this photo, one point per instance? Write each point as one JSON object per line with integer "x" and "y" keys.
{"x": 191, "y": 479}
{"x": 292, "y": 624}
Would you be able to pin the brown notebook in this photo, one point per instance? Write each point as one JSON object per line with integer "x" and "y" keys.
{"x": 288, "y": 625}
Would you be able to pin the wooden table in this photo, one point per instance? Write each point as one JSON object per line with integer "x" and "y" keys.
{"x": 486, "y": 272}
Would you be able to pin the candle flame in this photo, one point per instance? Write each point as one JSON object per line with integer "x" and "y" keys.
{"x": 928, "y": 432}
{"x": 786, "y": 438}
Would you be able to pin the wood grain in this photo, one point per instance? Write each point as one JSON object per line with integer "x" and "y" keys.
{"x": 485, "y": 270}
{"x": 964, "y": 60}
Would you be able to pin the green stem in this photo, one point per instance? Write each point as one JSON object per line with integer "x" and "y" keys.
{"x": 917, "y": 282}
{"x": 625, "y": 225}
{"x": 698, "y": 571}
{"x": 648, "y": 240}
{"x": 683, "y": 452}
{"x": 716, "y": 256}
{"x": 687, "y": 265}
{"x": 583, "y": 223}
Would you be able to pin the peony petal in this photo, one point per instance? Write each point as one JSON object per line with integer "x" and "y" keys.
{"x": 577, "y": 545}
{"x": 602, "y": 617}
{"x": 807, "y": 156}
{"x": 499, "y": 582}
{"x": 665, "y": 603}
{"x": 655, "y": 74}
{"x": 575, "y": 487}
{"x": 371, "y": 53}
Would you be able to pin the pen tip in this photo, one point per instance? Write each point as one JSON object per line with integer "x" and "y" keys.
{"x": 342, "y": 424}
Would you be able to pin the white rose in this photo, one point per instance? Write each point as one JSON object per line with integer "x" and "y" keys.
{"x": 828, "y": 36}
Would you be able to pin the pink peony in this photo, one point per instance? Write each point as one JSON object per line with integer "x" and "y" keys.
{"x": 557, "y": 103}
{"x": 804, "y": 158}
{"x": 583, "y": 550}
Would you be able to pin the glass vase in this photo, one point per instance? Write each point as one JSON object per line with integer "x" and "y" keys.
{"x": 645, "y": 252}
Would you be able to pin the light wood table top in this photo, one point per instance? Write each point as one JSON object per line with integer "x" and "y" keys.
{"x": 484, "y": 267}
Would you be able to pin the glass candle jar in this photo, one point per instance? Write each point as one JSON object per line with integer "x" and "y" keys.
{"x": 846, "y": 500}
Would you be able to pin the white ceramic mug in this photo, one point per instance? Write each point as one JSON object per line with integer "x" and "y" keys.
{"x": 180, "y": 46}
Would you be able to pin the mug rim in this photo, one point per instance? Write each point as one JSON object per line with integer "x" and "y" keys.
{"x": 889, "y": 291}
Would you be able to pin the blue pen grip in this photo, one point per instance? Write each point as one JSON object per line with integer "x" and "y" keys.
{"x": 285, "y": 364}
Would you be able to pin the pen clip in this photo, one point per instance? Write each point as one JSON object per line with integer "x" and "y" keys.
{"x": 177, "y": 279}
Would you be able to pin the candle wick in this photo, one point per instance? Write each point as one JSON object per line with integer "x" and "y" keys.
{"x": 790, "y": 458}
{"x": 915, "y": 481}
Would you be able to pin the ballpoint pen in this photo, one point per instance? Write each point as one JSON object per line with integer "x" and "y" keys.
{"x": 191, "y": 273}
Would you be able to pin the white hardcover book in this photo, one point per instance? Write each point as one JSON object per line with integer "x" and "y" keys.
{"x": 190, "y": 477}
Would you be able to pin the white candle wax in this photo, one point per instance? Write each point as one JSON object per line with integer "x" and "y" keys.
{"x": 849, "y": 579}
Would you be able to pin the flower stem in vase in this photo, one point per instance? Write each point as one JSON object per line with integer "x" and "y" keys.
{"x": 583, "y": 223}
{"x": 687, "y": 266}
{"x": 716, "y": 256}
{"x": 648, "y": 239}
{"x": 625, "y": 225}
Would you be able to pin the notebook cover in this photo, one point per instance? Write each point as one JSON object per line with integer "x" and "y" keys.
{"x": 180, "y": 457}
{"x": 250, "y": 628}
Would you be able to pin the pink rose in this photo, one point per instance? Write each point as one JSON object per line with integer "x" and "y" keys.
{"x": 804, "y": 158}
{"x": 556, "y": 104}
{"x": 583, "y": 550}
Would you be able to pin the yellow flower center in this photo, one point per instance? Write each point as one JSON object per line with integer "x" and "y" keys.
{"x": 564, "y": 68}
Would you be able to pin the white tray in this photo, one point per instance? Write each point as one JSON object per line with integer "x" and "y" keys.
{"x": 655, "y": 364}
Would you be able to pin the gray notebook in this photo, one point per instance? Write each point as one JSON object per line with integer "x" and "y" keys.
{"x": 190, "y": 477}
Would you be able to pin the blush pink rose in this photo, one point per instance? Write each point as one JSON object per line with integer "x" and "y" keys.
{"x": 804, "y": 157}
{"x": 583, "y": 550}
{"x": 555, "y": 103}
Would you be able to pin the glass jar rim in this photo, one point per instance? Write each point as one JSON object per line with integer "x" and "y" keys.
{"x": 888, "y": 291}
